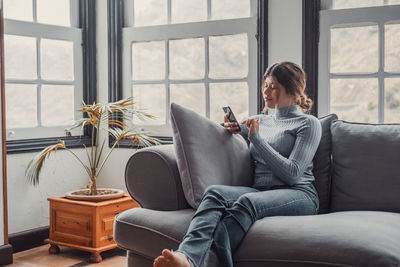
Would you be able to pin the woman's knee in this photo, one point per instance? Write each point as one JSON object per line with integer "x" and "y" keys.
{"x": 214, "y": 190}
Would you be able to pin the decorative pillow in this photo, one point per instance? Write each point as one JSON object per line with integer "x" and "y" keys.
{"x": 207, "y": 154}
{"x": 322, "y": 163}
{"x": 366, "y": 166}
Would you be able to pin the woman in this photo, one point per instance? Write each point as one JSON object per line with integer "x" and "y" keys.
{"x": 282, "y": 146}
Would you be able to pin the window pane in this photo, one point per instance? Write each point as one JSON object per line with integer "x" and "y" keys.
{"x": 186, "y": 58}
{"x": 150, "y": 12}
{"x": 18, "y": 9}
{"x": 57, "y": 59}
{"x": 354, "y": 49}
{"x": 392, "y": 47}
{"x": 54, "y": 12}
{"x": 148, "y": 61}
{"x": 21, "y": 107}
{"x": 188, "y": 11}
{"x": 342, "y": 4}
{"x": 228, "y": 56}
{"x": 57, "y": 105}
{"x": 20, "y": 57}
{"x": 355, "y": 99}
{"x": 151, "y": 98}
{"x": 235, "y": 95}
{"x": 230, "y": 9}
{"x": 392, "y": 100}
{"x": 191, "y": 96}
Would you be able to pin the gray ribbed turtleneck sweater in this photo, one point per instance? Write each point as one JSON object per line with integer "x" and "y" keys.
{"x": 284, "y": 147}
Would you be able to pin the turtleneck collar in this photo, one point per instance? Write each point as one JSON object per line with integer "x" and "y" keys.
{"x": 288, "y": 112}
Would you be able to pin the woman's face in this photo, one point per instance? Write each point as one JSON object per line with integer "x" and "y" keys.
{"x": 274, "y": 93}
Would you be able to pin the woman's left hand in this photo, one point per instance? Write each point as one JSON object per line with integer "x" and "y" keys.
{"x": 253, "y": 126}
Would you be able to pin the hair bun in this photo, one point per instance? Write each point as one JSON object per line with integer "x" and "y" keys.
{"x": 305, "y": 103}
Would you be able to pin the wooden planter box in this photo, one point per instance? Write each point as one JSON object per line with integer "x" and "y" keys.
{"x": 85, "y": 225}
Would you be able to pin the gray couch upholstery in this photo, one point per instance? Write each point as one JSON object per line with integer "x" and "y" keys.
{"x": 357, "y": 170}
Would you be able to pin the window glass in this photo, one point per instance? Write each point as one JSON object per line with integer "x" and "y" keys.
{"x": 355, "y": 99}
{"x": 230, "y": 9}
{"x": 20, "y": 57}
{"x": 392, "y": 47}
{"x": 21, "y": 105}
{"x": 354, "y": 49}
{"x": 186, "y": 58}
{"x": 234, "y": 94}
{"x": 150, "y": 12}
{"x": 54, "y": 12}
{"x": 189, "y": 95}
{"x": 18, "y": 9}
{"x": 57, "y": 105}
{"x": 150, "y": 98}
{"x": 228, "y": 56}
{"x": 57, "y": 59}
{"x": 183, "y": 11}
{"x": 148, "y": 60}
{"x": 392, "y": 100}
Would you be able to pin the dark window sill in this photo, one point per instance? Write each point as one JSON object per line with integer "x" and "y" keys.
{"x": 34, "y": 145}
{"x": 126, "y": 143}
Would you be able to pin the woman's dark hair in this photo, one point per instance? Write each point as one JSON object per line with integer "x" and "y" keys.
{"x": 293, "y": 78}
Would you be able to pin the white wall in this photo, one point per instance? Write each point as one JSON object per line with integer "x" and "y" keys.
{"x": 285, "y": 31}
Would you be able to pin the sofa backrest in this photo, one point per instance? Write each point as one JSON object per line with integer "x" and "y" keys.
{"x": 366, "y": 166}
{"x": 322, "y": 164}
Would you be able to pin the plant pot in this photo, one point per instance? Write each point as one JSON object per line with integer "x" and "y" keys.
{"x": 103, "y": 194}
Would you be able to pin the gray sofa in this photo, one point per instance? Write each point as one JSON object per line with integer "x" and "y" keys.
{"x": 357, "y": 170}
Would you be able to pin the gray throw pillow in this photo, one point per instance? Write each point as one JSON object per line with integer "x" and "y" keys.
{"x": 366, "y": 166}
{"x": 207, "y": 154}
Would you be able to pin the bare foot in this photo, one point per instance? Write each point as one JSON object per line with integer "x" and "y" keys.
{"x": 171, "y": 259}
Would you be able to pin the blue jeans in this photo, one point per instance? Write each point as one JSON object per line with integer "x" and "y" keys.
{"x": 226, "y": 213}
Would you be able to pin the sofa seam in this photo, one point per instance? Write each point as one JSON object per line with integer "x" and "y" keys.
{"x": 148, "y": 229}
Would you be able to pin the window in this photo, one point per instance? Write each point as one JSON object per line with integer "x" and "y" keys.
{"x": 359, "y": 55}
{"x": 200, "y": 54}
{"x": 43, "y": 67}
{"x": 44, "y": 70}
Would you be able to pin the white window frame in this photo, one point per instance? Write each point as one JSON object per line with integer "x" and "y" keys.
{"x": 202, "y": 29}
{"x": 54, "y": 32}
{"x": 338, "y": 18}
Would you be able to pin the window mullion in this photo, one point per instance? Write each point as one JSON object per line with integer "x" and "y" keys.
{"x": 169, "y": 12}
{"x": 34, "y": 9}
{"x": 206, "y": 74}
{"x": 39, "y": 78}
{"x": 381, "y": 71}
{"x": 209, "y": 10}
{"x": 167, "y": 81}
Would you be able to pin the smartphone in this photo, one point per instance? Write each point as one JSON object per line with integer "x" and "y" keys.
{"x": 231, "y": 117}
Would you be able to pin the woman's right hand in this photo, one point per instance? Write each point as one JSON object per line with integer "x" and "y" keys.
{"x": 232, "y": 127}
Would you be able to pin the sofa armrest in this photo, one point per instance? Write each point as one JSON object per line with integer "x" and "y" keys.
{"x": 152, "y": 179}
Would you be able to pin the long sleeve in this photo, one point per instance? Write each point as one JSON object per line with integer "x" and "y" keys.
{"x": 290, "y": 169}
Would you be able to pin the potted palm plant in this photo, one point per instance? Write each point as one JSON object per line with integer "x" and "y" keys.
{"x": 98, "y": 116}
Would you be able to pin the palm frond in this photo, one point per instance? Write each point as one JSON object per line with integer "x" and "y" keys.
{"x": 35, "y": 165}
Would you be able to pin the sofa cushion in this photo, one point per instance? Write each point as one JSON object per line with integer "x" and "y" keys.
{"x": 352, "y": 238}
{"x": 322, "y": 163}
{"x": 207, "y": 154}
{"x": 366, "y": 166}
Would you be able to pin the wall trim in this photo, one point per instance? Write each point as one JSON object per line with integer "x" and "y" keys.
{"x": 310, "y": 22}
{"x": 28, "y": 239}
{"x": 6, "y": 255}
